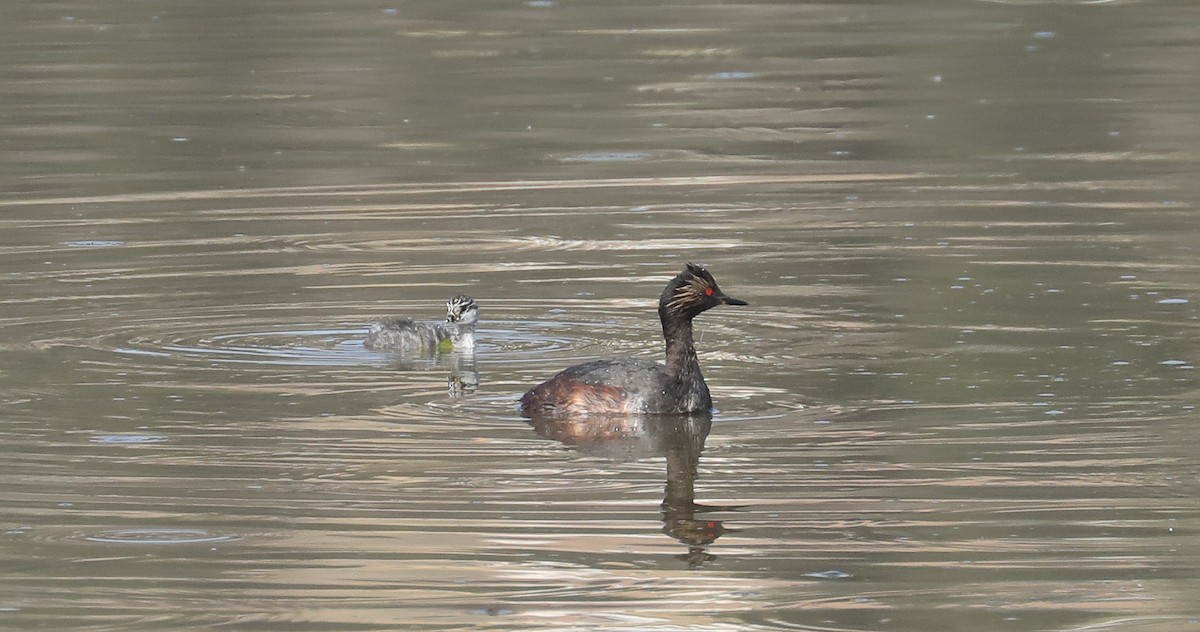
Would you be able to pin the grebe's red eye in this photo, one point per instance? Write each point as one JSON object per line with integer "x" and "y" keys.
{"x": 708, "y": 291}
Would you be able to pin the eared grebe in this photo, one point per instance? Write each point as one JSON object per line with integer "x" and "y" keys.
{"x": 421, "y": 336}
{"x": 632, "y": 385}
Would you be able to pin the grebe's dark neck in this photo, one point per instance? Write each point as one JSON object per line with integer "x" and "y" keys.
{"x": 681, "y": 349}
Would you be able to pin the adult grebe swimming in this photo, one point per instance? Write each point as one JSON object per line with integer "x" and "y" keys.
{"x": 633, "y": 385}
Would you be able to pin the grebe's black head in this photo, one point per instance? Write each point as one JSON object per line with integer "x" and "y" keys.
{"x": 691, "y": 293}
{"x": 462, "y": 310}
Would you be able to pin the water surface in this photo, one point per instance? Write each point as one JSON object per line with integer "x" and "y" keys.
{"x": 963, "y": 395}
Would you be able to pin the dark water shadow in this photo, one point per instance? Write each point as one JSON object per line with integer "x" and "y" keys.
{"x": 679, "y": 439}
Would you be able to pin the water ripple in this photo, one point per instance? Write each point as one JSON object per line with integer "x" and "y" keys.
{"x": 158, "y": 537}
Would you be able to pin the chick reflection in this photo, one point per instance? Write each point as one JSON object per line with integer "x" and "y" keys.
{"x": 462, "y": 379}
{"x": 679, "y": 438}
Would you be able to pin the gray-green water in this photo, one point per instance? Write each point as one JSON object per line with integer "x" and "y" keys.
{"x": 964, "y": 395}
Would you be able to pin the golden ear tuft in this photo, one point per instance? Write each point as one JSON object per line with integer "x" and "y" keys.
{"x": 694, "y": 289}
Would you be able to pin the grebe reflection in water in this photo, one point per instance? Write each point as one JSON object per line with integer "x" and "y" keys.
{"x": 678, "y": 438}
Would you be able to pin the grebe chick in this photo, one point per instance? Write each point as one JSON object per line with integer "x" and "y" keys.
{"x": 633, "y": 385}
{"x": 422, "y": 336}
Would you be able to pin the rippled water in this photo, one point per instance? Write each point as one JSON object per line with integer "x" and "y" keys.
{"x": 963, "y": 395}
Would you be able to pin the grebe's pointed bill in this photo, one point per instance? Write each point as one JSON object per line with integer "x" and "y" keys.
{"x": 729, "y": 300}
